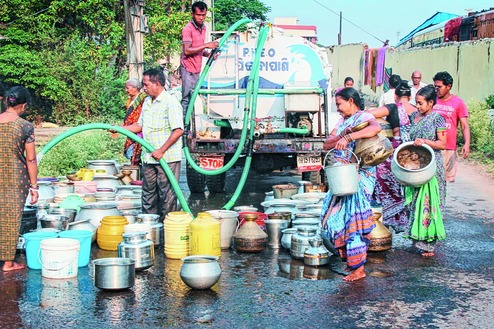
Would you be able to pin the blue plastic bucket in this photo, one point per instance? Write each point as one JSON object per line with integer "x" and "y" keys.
{"x": 84, "y": 237}
{"x": 32, "y": 242}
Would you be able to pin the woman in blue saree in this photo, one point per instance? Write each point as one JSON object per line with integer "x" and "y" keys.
{"x": 348, "y": 220}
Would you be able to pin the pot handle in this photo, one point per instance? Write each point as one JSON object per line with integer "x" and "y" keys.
{"x": 356, "y": 157}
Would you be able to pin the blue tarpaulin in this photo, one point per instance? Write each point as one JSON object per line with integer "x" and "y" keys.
{"x": 437, "y": 18}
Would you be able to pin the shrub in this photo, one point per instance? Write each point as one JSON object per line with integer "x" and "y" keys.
{"x": 490, "y": 101}
{"x": 72, "y": 153}
{"x": 481, "y": 128}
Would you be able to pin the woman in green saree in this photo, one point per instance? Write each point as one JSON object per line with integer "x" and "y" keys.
{"x": 427, "y": 202}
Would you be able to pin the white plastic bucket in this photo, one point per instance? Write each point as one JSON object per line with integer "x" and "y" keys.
{"x": 59, "y": 258}
{"x": 229, "y": 224}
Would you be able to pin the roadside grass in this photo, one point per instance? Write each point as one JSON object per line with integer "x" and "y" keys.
{"x": 72, "y": 153}
{"x": 483, "y": 161}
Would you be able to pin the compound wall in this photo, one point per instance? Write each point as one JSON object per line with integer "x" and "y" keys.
{"x": 471, "y": 64}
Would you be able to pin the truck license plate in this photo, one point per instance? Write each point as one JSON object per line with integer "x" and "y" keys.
{"x": 309, "y": 162}
{"x": 211, "y": 162}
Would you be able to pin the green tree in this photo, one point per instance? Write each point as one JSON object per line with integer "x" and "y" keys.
{"x": 72, "y": 54}
{"x": 68, "y": 53}
{"x": 227, "y": 12}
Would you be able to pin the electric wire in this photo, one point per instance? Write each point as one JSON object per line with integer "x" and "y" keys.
{"x": 337, "y": 14}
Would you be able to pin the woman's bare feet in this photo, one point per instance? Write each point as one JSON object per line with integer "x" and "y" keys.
{"x": 12, "y": 266}
{"x": 427, "y": 254}
{"x": 355, "y": 275}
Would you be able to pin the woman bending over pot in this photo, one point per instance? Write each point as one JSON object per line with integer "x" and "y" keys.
{"x": 348, "y": 220}
{"x": 19, "y": 172}
{"x": 427, "y": 202}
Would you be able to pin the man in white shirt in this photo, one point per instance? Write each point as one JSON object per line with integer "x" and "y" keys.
{"x": 415, "y": 85}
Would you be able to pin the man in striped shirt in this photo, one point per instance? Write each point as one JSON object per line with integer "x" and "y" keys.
{"x": 161, "y": 124}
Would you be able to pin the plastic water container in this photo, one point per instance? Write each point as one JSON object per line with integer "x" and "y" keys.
{"x": 84, "y": 237}
{"x": 32, "y": 242}
{"x": 59, "y": 258}
{"x": 177, "y": 234}
{"x": 205, "y": 236}
{"x": 109, "y": 233}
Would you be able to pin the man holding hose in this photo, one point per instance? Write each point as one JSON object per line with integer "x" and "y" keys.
{"x": 161, "y": 124}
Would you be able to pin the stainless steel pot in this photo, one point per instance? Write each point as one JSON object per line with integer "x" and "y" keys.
{"x": 107, "y": 167}
{"x": 316, "y": 254}
{"x": 411, "y": 177}
{"x": 106, "y": 181}
{"x": 300, "y": 240}
{"x": 71, "y": 213}
{"x": 200, "y": 271}
{"x": 157, "y": 229}
{"x": 63, "y": 187}
{"x": 58, "y": 222}
{"x": 95, "y": 211}
{"x": 286, "y": 238}
{"x": 84, "y": 225}
{"x": 114, "y": 273}
{"x": 130, "y": 215}
{"x": 137, "y": 247}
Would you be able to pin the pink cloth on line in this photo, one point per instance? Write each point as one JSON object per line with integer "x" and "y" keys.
{"x": 381, "y": 54}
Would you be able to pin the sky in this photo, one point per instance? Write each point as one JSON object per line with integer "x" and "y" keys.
{"x": 368, "y": 21}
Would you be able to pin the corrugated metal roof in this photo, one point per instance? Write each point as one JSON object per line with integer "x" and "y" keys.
{"x": 437, "y": 18}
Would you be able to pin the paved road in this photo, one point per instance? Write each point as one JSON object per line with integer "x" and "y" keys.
{"x": 269, "y": 290}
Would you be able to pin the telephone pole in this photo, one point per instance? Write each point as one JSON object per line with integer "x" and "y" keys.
{"x": 135, "y": 27}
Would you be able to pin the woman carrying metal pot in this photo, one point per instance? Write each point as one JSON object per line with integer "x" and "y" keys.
{"x": 347, "y": 220}
{"x": 388, "y": 191}
{"x": 19, "y": 172}
{"x": 427, "y": 202}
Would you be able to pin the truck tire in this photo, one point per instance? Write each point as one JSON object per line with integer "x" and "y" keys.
{"x": 311, "y": 176}
{"x": 216, "y": 183}
{"x": 195, "y": 180}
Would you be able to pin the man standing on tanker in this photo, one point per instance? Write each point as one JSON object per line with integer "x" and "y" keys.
{"x": 193, "y": 49}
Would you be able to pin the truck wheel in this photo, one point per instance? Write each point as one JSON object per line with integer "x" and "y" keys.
{"x": 195, "y": 180}
{"x": 216, "y": 183}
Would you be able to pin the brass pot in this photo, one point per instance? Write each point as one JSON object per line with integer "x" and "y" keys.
{"x": 380, "y": 237}
{"x": 374, "y": 150}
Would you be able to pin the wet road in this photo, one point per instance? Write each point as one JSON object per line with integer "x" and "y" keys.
{"x": 269, "y": 290}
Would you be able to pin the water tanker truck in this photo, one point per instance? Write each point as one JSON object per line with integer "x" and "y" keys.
{"x": 265, "y": 98}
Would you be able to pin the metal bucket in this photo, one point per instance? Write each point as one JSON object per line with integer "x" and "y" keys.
{"x": 282, "y": 191}
{"x": 114, "y": 273}
{"x": 342, "y": 179}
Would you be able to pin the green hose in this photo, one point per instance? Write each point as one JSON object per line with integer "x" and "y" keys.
{"x": 254, "y": 77}
{"x": 132, "y": 136}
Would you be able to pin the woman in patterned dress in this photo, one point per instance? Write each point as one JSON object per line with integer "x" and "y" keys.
{"x": 388, "y": 191}
{"x": 427, "y": 202}
{"x": 132, "y": 150}
{"x": 348, "y": 220}
{"x": 18, "y": 172}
